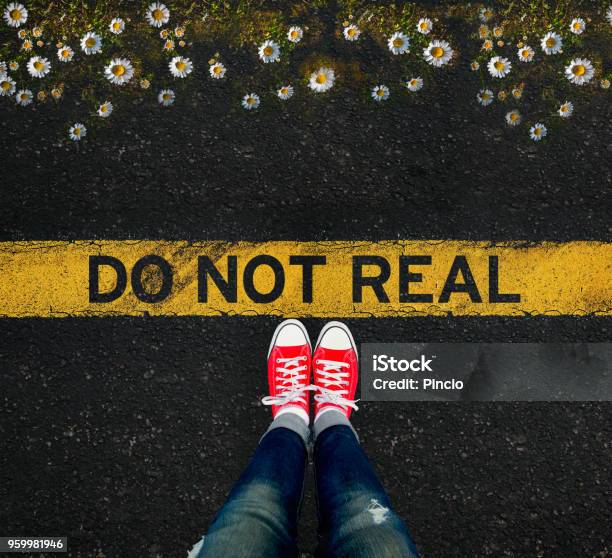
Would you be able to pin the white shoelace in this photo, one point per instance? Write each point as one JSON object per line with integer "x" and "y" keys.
{"x": 332, "y": 376}
{"x": 288, "y": 388}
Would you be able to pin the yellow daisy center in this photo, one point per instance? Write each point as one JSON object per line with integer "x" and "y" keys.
{"x": 103, "y": 108}
{"x": 352, "y": 32}
{"x": 380, "y": 92}
{"x": 284, "y": 91}
{"x": 65, "y": 53}
{"x": 321, "y": 78}
{"x": 537, "y": 131}
{"x": 398, "y": 42}
{"x": 525, "y": 53}
{"x": 424, "y": 26}
{"x": 268, "y": 51}
{"x": 579, "y": 70}
{"x": 499, "y": 65}
{"x": 15, "y": 14}
{"x": 514, "y": 116}
{"x": 77, "y": 131}
{"x": 158, "y": 14}
{"x": 90, "y": 42}
{"x": 437, "y": 52}
{"x": 5, "y": 85}
{"x": 217, "y": 70}
{"x": 180, "y": 66}
{"x": 166, "y": 96}
{"x": 577, "y": 25}
{"x": 27, "y": 45}
{"x": 117, "y": 25}
{"x": 295, "y": 34}
{"x": 551, "y": 42}
{"x": 38, "y": 66}
{"x": 251, "y": 101}
{"x": 24, "y": 97}
{"x": 118, "y": 70}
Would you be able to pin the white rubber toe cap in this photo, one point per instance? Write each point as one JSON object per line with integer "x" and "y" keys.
{"x": 290, "y": 336}
{"x": 290, "y": 333}
{"x": 336, "y": 336}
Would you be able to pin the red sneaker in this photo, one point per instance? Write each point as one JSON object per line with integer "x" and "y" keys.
{"x": 289, "y": 362}
{"x": 336, "y": 369}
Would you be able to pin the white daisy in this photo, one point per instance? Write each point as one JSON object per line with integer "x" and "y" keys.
{"x": 414, "y": 84}
{"x": 485, "y": 14}
{"x": 295, "y": 34}
{"x": 119, "y": 71}
{"x": 525, "y": 54}
{"x": 15, "y": 14}
{"x": 13, "y": 65}
{"x": 38, "y": 67}
{"x": 399, "y": 43}
{"x": 180, "y": 67}
{"x": 105, "y": 109}
{"x": 424, "y": 26}
{"x": 65, "y": 54}
{"x": 157, "y": 14}
{"x": 77, "y": 132}
{"x": 23, "y": 97}
{"x": 250, "y": 101}
{"x": 577, "y": 26}
{"x": 485, "y": 97}
{"x": 609, "y": 14}
{"x": 91, "y": 43}
{"x": 351, "y": 33}
{"x": 513, "y": 118}
{"x": 552, "y": 43}
{"x": 538, "y": 131}
{"x": 322, "y": 80}
{"x": 166, "y": 97}
{"x": 7, "y": 86}
{"x": 285, "y": 92}
{"x": 566, "y": 109}
{"x": 580, "y": 71}
{"x": 474, "y": 66}
{"x": 269, "y": 51}
{"x": 604, "y": 83}
{"x": 499, "y": 66}
{"x": 217, "y": 70}
{"x": 380, "y": 93}
{"x": 116, "y": 26}
{"x": 438, "y": 53}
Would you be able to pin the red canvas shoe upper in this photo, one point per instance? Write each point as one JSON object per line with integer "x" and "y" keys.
{"x": 289, "y": 362}
{"x": 335, "y": 369}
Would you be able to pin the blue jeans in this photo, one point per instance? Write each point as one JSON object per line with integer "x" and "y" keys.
{"x": 259, "y": 518}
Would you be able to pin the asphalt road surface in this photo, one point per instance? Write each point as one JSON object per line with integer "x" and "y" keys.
{"x": 126, "y": 434}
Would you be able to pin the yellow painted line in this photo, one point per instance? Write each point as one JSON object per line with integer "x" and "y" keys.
{"x": 52, "y": 279}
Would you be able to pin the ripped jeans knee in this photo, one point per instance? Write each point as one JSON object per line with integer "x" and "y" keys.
{"x": 366, "y": 527}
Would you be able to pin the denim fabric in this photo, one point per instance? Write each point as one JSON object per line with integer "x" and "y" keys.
{"x": 260, "y": 515}
{"x": 259, "y": 518}
{"x": 355, "y": 515}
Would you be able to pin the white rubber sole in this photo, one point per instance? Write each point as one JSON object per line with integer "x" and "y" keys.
{"x": 343, "y": 327}
{"x": 282, "y": 325}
